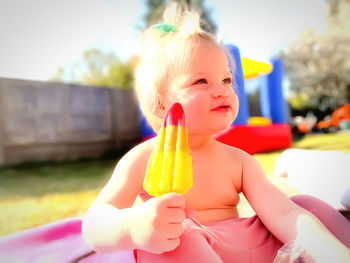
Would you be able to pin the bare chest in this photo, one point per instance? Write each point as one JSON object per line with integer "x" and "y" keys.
{"x": 216, "y": 184}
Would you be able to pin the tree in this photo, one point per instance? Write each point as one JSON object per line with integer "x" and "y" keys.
{"x": 97, "y": 68}
{"x": 156, "y": 9}
{"x": 318, "y": 65}
{"x": 338, "y": 16}
{"x": 121, "y": 75}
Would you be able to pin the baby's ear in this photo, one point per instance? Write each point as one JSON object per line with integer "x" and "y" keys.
{"x": 160, "y": 108}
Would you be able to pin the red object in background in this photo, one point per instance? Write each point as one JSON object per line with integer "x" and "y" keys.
{"x": 342, "y": 113}
{"x": 257, "y": 139}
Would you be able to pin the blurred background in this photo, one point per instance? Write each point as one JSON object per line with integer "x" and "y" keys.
{"x": 68, "y": 111}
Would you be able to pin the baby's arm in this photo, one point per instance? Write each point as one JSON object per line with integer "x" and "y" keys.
{"x": 113, "y": 224}
{"x": 286, "y": 220}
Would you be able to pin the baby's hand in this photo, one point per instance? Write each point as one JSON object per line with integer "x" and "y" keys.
{"x": 157, "y": 224}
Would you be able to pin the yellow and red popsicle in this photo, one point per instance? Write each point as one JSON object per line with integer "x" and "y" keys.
{"x": 169, "y": 167}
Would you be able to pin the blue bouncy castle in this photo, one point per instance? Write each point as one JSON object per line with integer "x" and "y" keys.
{"x": 271, "y": 131}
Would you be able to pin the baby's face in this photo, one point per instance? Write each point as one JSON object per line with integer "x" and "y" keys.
{"x": 205, "y": 91}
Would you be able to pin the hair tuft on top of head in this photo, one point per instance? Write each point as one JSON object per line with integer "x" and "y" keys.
{"x": 186, "y": 21}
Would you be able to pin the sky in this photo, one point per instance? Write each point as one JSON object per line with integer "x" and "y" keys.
{"x": 38, "y": 36}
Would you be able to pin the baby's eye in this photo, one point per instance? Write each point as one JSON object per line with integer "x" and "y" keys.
{"x": 201, "y": 81}
{"x": 227, "y": 81}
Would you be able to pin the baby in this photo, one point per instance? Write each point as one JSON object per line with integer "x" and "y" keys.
{"x": 181, "y": 63}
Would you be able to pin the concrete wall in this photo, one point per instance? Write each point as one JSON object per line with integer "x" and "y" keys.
{"x": 55, "y": 121}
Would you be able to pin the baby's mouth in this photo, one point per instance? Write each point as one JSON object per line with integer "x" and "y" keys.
{"x": 222, "y": 108}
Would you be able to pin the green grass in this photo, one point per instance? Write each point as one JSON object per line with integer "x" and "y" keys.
{"x": 36, "y": 194}
{"x": 39, "y": 193}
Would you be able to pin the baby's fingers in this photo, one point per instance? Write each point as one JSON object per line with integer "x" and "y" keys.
{"x": 176, "y": 215}
{"x": 175, "y": 231}
{"x": 173, "y": 200}
{"x": 172, "y": 244}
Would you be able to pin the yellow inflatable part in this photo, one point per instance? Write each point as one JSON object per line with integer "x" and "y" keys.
{"x": 259, "y": 121}
{"x": 252, "y": 68}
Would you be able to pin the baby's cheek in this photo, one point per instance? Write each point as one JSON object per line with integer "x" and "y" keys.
{"x": 195, "y": 111}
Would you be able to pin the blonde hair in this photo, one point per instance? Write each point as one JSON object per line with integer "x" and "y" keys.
{"x": 163, "y": 55}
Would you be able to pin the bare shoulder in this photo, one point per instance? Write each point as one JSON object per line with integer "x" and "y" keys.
{"x": 250, "y": 165}
{"x": 140, "y": 151}
{"x": 136, "y": 159}
{"x": 127, "y": 179}
{"x": 235, "y": 153}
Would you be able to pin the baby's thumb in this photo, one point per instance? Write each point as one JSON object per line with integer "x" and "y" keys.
{"x": 173, "y": 200}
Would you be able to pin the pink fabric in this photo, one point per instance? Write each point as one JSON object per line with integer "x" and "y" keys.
{"x": 234, "y": 240}
{"x": 59, "y": 242}
{"x": 335, "y": 222}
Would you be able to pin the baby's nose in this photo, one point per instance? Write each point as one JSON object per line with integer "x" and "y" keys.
{"x": 220, "y": 91}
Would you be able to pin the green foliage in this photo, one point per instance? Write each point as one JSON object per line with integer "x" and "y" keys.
{"x": 98, "y": 68}
{"x": 298, "y": 101}
{"x": 121, "y": 75}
